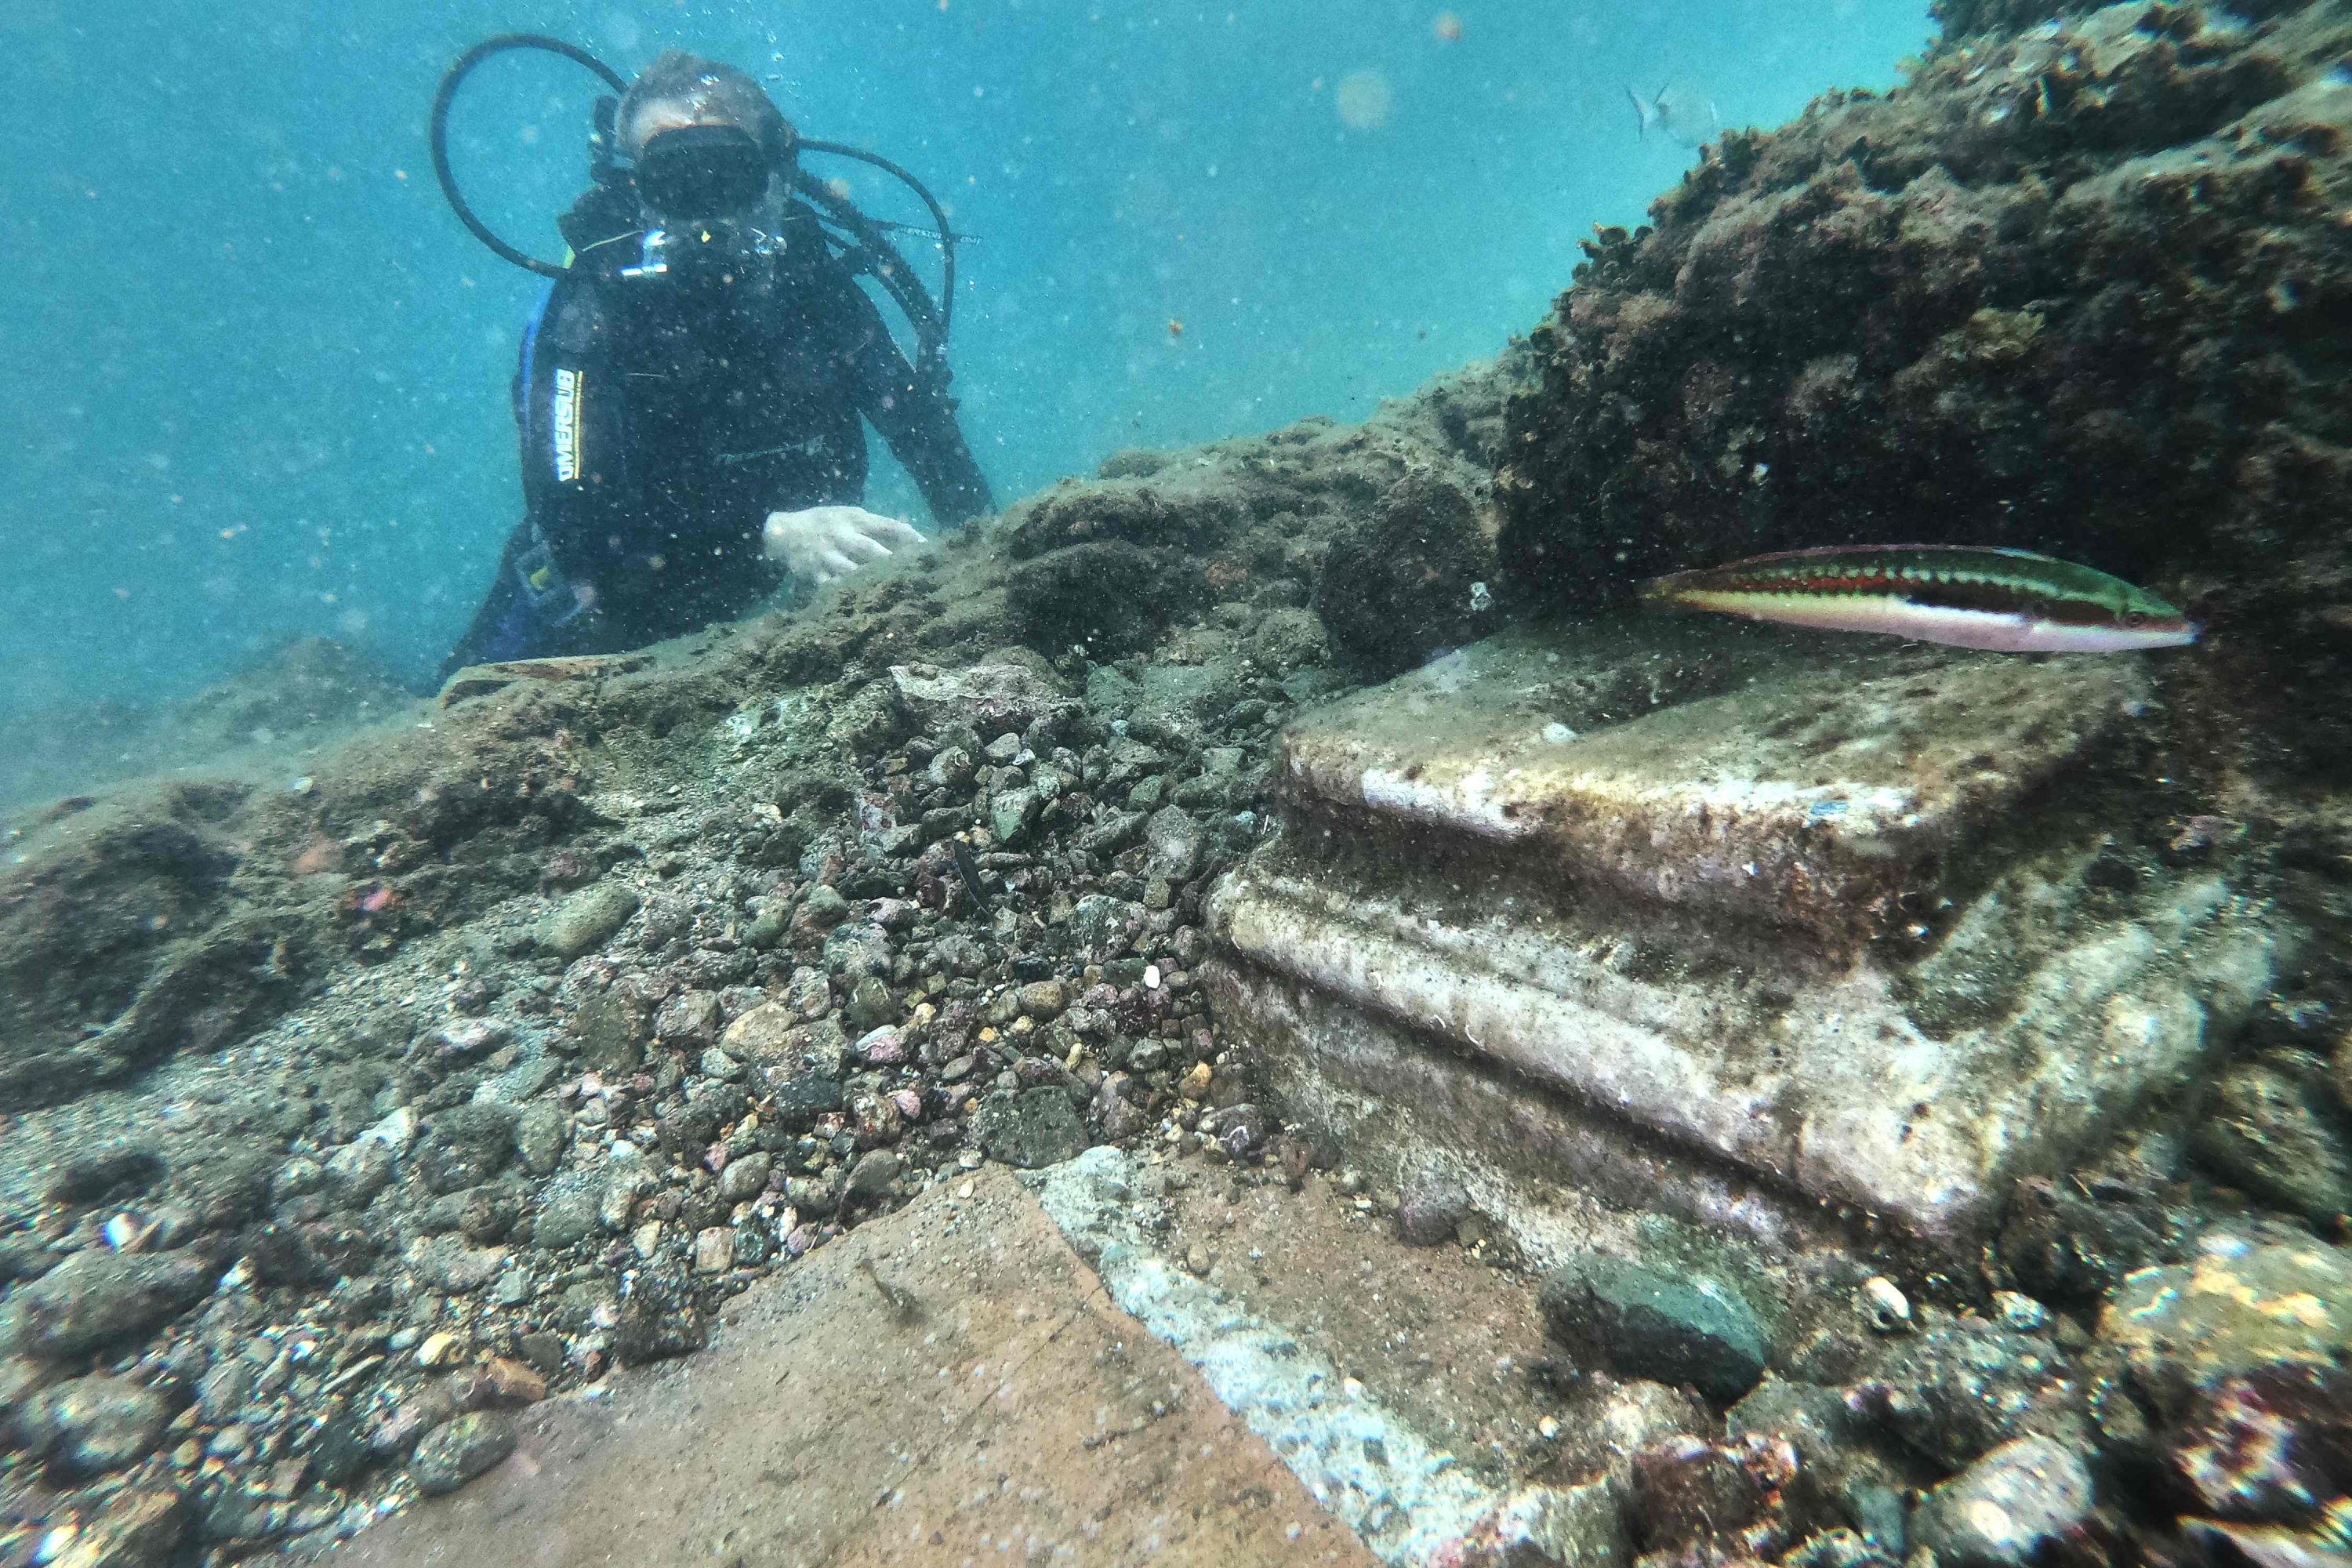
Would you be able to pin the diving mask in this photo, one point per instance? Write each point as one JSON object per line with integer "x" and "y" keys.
{"x": 702, "y": 172}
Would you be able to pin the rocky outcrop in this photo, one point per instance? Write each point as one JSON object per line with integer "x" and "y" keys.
{"x": 2078, "y": 287}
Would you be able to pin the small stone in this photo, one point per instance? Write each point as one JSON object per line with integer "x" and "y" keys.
{"x": 1196, "y": 1083}
{"x": 610, "y": 1033}
{"x": 539, "y": 1137}
{"x": 137, "y": 1529}
{"x": 2005, "y": 1507}
{"x": 820, "y": 912}
{"x": 2187, "y": 1327}
{"x": 465, "y": 1145}
{"x": 1689, "y": 1493}
{"x": 1042, "y": 1000}
{"x": 871, "y": 1005}
{"x": 96, "y": 1296}
{"x": 759, "y": 1036}
{"x": 1883, "y": 1305}
{"x": 1963, "y": 1387}
{"x": 660, "y": 1319}
{"x": 358, "y": 1170}
{"x": 766, "y": 930}
{"x": 222, "y": 1392}
{"x": 416, "y": 1415}
{"x": 872, "y": 1175}
{"x": 1011, "y": 813}
{"x": 454, "y": 1454}
{"x": 2020, "y": 1313}
{"x": 884, "y": 1046}
{"x": 1429, "y": 1209}
{"x": 690, "y": 1018}
{"x": 2264, "y": 1129}
{"x": 1172, "y": 843}
{"x": 90, "y": 1426}
{"x": 714, "y": 1250}
{"x": 440, "y": 1349}
{"x": 587, "y": 919}
{"x": 1641, "y": 1322}
{"x": 799, "y": 1099}
{"x": 503, "y": 1382}
{"x": 745, "y": 1178}
{"x": 568, "y": 1210}
{"x": 1580, "y": 1525}
{"x": 468, "y": 1037}
{"x": 1030, "y": 1129}
{"x": 448, "y": 1264}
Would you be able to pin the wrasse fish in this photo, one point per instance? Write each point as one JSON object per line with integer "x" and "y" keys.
{"x": 2012, "y": 601}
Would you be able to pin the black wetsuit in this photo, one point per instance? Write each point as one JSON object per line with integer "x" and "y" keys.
{"x": 661, "y": 424}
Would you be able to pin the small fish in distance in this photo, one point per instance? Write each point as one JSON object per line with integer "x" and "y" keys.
{"x": 2011, "y": 600}
{"x": 1684, "y": 114}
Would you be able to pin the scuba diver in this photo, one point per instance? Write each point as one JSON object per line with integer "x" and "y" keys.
{"x": 690, "y": 388}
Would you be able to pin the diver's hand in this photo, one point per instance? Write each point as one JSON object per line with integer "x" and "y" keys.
{"x": 820, "y": 543}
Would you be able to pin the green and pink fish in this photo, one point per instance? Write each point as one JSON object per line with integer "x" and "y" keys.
{"x": 2012, "y": 601}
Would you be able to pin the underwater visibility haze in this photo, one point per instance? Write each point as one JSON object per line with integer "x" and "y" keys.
{"x": 261, "y": 372}
{"x": 773, "y": 892}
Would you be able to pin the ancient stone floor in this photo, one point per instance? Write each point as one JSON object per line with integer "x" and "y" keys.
{"x": 1001, "y": 1409}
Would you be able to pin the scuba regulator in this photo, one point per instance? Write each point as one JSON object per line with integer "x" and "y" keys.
{"x": 697, "y": 170}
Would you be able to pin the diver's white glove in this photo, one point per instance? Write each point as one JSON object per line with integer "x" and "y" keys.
{"x": 819, "y": 544}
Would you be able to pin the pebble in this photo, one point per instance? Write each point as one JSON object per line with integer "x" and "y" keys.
{"x": 744, "y": 1178}
{"x": 96, "y": 1296}
{"x": 2005, "y": 1507}
{"x": 1430, "y": 1209}
{"x": 1675, "y": 1328}
{"x": 2020, "y": 1313}
{"x": 587, "y": 919}
{"x": 874, "y": 1174}
{"x": 1030, "y": 1129}
{"x": 90, "y": 1426}
{"x": 453, "y": 1454}
{"x": 714, "y": 1250}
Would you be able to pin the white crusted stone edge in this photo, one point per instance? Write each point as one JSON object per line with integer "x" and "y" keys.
{"x": 1315, "y": 1418}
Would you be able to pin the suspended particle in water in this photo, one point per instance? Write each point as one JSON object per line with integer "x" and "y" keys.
{"x": 1446, "y": 28}
{"x": 1175, "y": 328}
{"x": 1363, "y": 99}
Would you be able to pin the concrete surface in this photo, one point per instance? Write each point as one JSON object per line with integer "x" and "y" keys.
{"x": 1014, "y": 1415}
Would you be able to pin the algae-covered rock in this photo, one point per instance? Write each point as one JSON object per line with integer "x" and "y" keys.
{"x": 97, "y": 1296}
{"x": 1108, "y": 597}
{"x": 1399, "y": 584}
{"x": 88, "y": 1426}
{"x": 1035, "y": 1127}
{"x": 2263, "y": 1128}
{"x": 2004, "y": 1509}
{"x": 2061, "y": 292}
{"x": 2236, "y": 1306}
{"x": 1644, "y": 1322}
{"x": 587, "y": 919}
{"x": 455, "y": 1452}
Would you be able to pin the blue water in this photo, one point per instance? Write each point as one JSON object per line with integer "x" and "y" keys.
{"x": 258, "y": 375}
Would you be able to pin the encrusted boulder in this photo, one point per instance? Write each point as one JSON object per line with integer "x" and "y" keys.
{"x": 2066, "y": 290}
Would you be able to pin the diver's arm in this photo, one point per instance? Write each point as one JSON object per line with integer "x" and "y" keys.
{"x": 918, "y": 420}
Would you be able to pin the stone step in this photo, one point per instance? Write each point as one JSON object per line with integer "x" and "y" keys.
{"x": 1747, "y": 921}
